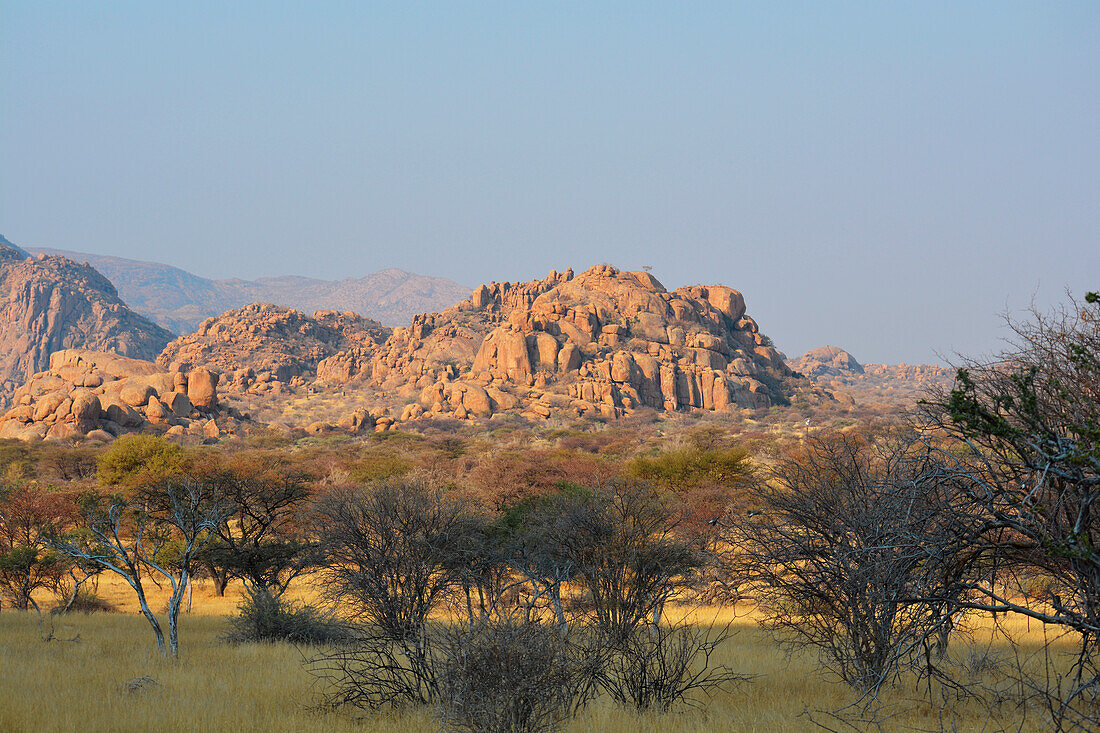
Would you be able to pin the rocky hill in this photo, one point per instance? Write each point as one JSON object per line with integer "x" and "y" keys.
{"x": 180, "y": 300}
{"x": 49, "y": 303}
{"x": 827, "y": 361}
{"x": 101, "y": 396}
{"x": 262, "y": 347}
{"x": 834, "y": 369}
{"x": 602, "y": 343}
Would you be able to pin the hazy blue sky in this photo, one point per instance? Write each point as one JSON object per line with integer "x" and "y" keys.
{"x": 882, "y": 176}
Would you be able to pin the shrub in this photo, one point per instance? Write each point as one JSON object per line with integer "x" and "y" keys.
{"x": 134, "y": 458}
{"x": 263, "y": 617}
{"x": 87, "y": 602}
{"x": 659, "y": 667}
{"x": 376, "y": 466}
{"x": 512, "y": 678}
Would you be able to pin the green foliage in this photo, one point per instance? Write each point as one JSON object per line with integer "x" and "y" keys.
{"x": 531, "y": 508}
{"x": 263, "y": 617}
{"x": 689, "y": 468}
{"x": 17, "y": 461}
{"x": 376, "y": 466}
{"x": 133, "y": 459}
{"x": 24, "y": 569}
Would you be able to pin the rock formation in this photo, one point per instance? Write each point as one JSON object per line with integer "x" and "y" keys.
{"x": 48, "y": 303}
{"x": 835, "y": 370}
{"x": 101, "y": 396}
{"x": 603, "y": 343}
{"x": 826, "y": 361}
{"x": 10, "y": 253}
{"x": 262, "y": 347}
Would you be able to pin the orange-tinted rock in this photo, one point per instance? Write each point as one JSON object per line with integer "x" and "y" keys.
{"x": 51, "y": 303}
{"x": 202, "y": 388}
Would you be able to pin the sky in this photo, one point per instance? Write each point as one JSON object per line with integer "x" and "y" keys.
{"x": 887, "y": 177}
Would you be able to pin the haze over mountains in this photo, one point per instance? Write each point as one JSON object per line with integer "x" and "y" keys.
{"x": 179, "y": 300}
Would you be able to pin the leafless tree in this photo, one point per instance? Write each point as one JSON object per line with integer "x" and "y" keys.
{"x": 842, "y": 551}
{"x": 391, "y": 550}
{"x": 1024, "y": 434}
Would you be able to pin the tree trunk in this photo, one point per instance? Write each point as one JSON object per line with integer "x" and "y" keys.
{"x": 221, "y": 580}
{"x": 555, "y": 598}
{"x": 174, "y": 603}
{"x": 151, "y": 618}
{"x": 72, "y": 596}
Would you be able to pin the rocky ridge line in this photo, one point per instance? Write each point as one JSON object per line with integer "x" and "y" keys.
{"x": 603, "y": 343}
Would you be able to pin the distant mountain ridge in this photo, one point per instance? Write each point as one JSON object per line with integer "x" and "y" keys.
{"x": 179, "y": 300}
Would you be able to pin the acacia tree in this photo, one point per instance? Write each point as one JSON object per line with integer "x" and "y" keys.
{"x": 1027, "y": 448}
{"x": 160, "y": 528}
{"x": 27, "y": 515}
{"x": 260, "y": 540}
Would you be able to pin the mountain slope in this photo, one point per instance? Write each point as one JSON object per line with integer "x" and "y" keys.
{"x": 180, "y": 300}
{"x": 49, "y": 303}
{"x": 9, "y": 252}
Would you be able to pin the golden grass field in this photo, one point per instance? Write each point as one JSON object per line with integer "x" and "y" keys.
{"x": 75, "y": 682}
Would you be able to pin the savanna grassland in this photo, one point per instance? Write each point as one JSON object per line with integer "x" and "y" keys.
{"x": 77, "y": 680}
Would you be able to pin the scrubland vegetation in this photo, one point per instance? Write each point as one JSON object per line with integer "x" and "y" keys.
{"x": 933, "y": 570}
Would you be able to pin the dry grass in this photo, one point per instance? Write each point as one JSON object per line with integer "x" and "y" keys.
{"x": 63, "y": 685}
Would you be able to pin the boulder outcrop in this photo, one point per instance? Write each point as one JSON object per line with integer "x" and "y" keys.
{"x": 50, "y": 303}
{"x": 85, "y": 392}
{"x": 261, "y": 346}
{"x": 826, "y": 361}
{"x": 835, "y": 370}
{"x": 605, "y": 342}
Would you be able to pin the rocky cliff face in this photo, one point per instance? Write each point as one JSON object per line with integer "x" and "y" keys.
{"x": 604, "y": 342}
{"x": 102, "y": 396}
{"x": 51, "y": 303}
{"x": 262, "y": 346}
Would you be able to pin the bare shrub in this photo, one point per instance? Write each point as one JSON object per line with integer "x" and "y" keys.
{"x": 265, "y": 617}
{"x": 660, "y": 667}
{"x": 84, "y": 601}
{"x": 511, "y": 677}
{"x": 371, "y": 670}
